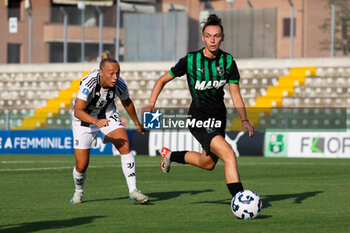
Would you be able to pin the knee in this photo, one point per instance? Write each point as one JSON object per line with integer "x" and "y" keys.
{"x": 209, "y": 166}
{"x": 230, "y": 159}
{"x": 81, "y": 166}
{"x": 122, "y": 145}
{"x": 125, "y": 149}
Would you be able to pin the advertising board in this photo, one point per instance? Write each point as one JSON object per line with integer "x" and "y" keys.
{"x": 307, "y": 144}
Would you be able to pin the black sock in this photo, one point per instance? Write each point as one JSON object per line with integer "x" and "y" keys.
{"x": 178, "y": 156}
{"x": 234, "y": 188}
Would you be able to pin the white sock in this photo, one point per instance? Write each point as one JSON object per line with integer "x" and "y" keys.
{"x": 79, "y": 179}
{"x": 129, "y": 170}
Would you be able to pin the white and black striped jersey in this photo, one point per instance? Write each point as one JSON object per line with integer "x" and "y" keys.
{"x": 99, "y": 101}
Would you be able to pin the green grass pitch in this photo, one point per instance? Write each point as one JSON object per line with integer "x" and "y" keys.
{"x": 299, "y": 195}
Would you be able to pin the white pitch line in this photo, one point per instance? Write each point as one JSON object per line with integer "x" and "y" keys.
{"x": 32, "y": 169}
{"x": 31, "y": 161}
{"x": 71, "y": 167}
{"x": 276, "y": 163}
{"x": 291, "y": 164}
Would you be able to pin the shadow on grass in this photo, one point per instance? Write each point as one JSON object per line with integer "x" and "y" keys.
{"x": 267, "y": 199}
{"x": 159, "y": 196}
{"x": 223, "y": 202}
{"x": 298, "y": 197}
{"x": 58, "y": 225}
{"x": 162, "y": 196}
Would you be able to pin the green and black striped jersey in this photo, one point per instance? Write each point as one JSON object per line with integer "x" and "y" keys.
{"x": 206, "y": 79}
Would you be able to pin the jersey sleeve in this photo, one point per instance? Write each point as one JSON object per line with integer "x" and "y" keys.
{"x": 121, "y": 89}
{"x": 234, "y": 73}
{"x": 180, "y": 68}
{"x": 87, "y": 84}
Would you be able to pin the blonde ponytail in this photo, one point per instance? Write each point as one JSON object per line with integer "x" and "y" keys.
{"x": 107, "y": 57}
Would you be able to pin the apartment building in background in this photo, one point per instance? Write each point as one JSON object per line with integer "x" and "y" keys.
{"x": 34, "y": 30}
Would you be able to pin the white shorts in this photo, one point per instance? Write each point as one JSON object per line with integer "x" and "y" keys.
{"x": 85, "y": 136}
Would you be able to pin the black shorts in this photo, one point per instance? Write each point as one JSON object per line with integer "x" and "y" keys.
{"x": 211, "y": 127}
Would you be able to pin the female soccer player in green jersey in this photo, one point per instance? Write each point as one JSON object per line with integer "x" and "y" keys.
{"x": 207, "y": 70}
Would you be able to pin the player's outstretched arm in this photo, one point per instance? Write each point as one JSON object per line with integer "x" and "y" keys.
{"x": 130, "y": 109}
{"x": 158, "y": 87}
{"x": 240, "y": 108}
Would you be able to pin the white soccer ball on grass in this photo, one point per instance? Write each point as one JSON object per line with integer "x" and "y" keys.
{"x": 246, "y": 204}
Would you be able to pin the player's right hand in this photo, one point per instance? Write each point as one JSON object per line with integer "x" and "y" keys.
{"x": 247, "y": 126}
{"x": 101, "y": 123}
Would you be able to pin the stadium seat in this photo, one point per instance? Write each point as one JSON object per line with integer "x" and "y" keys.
{"x": 67, "y": 122}
{"x": 142, "y": 83}
{"x": 245, "y": 73}
{"x": 150, "y": 84}
{"x": 184, "y": 102}
{"x": 251, "y": 102}
{"x": 165, "y": 102}
{"x": 137, "y": 102}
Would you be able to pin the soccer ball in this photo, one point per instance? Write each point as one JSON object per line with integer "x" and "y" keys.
{"x": 246, "y": 205}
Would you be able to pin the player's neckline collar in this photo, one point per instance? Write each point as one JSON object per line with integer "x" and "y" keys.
{"x": 208, "y": 58}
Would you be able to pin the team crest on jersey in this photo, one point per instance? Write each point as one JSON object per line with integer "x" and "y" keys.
{"x": 220, "y": 70}
{"x": 110, "y": 93}
{"x": 101, "y": 103}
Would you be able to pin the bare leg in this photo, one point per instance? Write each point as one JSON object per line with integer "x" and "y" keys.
{"x": 223, "y": 150}
{"x": 79, "y": 173}
{"x": 120, "y": 139}
{"x": 82, "y": 157}
{"x": 200, "y": 160}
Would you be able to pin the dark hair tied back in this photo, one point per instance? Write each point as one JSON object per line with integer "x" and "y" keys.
{"x": 213, "y": 20}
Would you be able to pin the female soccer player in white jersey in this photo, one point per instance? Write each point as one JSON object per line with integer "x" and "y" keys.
{"x": 94, "y": 112}
{"x": 207, "y": 70}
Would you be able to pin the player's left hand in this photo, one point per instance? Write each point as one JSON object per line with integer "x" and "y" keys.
{"x": 147, "y": 108}
{"x": 140, "y": 128}
{"x": 247, "y": 126}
